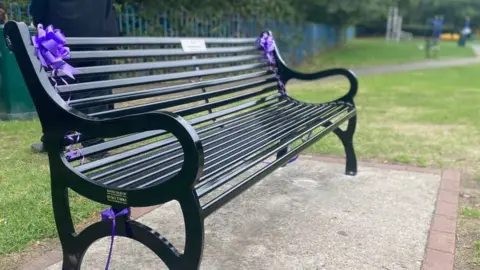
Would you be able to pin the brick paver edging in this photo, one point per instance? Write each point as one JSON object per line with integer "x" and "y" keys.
{"x": 440, "y": 248}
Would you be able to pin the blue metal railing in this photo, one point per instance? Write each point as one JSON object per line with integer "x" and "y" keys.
{"x": 294, "y": 40}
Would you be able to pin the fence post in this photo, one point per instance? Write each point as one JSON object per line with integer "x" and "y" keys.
{"x": 129, "y": 17}
{"x": 28, "y": 13}
{"x": 12, "y": 8}
{"x": 140, "y": 26}
{"x": 120, "y": 22}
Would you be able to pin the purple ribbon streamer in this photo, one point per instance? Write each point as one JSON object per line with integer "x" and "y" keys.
{"x": 107, "y": 215}
{"x": 74, "y": 138}
{"x": 290, "y": 161}
{"x": 51, "y": 51}
{"x": 266, "y": 42}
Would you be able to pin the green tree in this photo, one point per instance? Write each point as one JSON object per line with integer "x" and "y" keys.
{"x": 342, "y": 13}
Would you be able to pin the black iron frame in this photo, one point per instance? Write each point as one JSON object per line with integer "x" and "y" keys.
{"x": 180, "y": 188}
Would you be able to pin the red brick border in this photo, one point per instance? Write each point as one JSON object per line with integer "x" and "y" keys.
{"x": 440, "y": 247}
{"x": 440, "y": 250}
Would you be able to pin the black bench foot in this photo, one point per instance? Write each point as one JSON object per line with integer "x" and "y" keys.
{"x": 346, "y": 136}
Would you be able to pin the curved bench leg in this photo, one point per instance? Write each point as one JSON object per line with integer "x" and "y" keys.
{"x": 346, "y": 136}
{"x": 283, "y": 152}
{"x": 287, "y": 149}
{"x": 75, "y": 245}
{"x": 194, "y": 230}
{"x": 64, "y": 224}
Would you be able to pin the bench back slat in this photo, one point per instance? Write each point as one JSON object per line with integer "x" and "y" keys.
{"x": 72, "y": 41}
{"x": 149, "y": 74}
{"x": 184, "y": 112}
{"x": 163, "y": 65}
{"x": 138, "y": 53}
{"x": 130, "y": 75}
{"x": 195, "y": 97}
{"x": 122, "y": 97}
{"x": 113, "y": 83}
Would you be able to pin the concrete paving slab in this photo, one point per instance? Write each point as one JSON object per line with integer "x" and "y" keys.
{"x": 308, "y": 215}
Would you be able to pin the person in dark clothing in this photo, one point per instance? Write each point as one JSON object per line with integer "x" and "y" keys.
{"x": 76, "y": 18}
{"x": 79, "y": 18}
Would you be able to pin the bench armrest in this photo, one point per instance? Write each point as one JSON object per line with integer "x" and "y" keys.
{"x": 170, "y": 122}
{"x": 329, "y": 73}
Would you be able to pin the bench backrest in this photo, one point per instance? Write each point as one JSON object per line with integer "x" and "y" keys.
{"x": 146, "y": 74}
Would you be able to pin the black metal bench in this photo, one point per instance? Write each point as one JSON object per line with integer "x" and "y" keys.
{"x": 192, "y": 126}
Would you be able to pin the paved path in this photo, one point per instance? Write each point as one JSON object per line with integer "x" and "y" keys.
{"x": 428, "y": 64}
{"x": 308, "y": 215}
{"x": 476, "y": 50}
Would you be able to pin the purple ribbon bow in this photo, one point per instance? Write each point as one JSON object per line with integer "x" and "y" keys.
{"x": 266, "y": 42}
{"x": 107, "y": 215}
{"x": 50, "y": 49}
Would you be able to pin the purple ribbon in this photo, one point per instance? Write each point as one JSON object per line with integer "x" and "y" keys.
{"x": 50, "y": 49}
{"x": 266, "y": 42}
{"x": 290, "y": 161}
{"x": 107, "y": 215}
{"x": 74, "y": 138}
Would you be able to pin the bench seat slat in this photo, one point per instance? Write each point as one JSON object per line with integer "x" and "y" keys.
{"x": 241, "y": 151}
{"x": 110, "y": 145}
{"x": 233, "y": 121}
{"x": 224, "y": 151}
{"x": 216, "y": 171}
{"x": 152, "y": 147}
{"x": 209, "y": 139}
{"x": 215, "y": 203}
{"x": 157, "y": 173}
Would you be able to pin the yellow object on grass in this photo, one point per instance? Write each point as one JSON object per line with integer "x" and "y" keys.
{"x": 450, "y": 37}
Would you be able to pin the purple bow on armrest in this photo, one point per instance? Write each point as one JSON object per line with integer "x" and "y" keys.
{"x": 267, "y": 44}
{"x": 51, "y": 50}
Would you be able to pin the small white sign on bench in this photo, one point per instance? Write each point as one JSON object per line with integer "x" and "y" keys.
{"x": 193, "y": 45}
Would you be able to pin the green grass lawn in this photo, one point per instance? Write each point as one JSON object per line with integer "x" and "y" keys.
{"x": 368, "y": 52}
{"x": 421, "y": 117}
{"x": 26, "y": 213}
